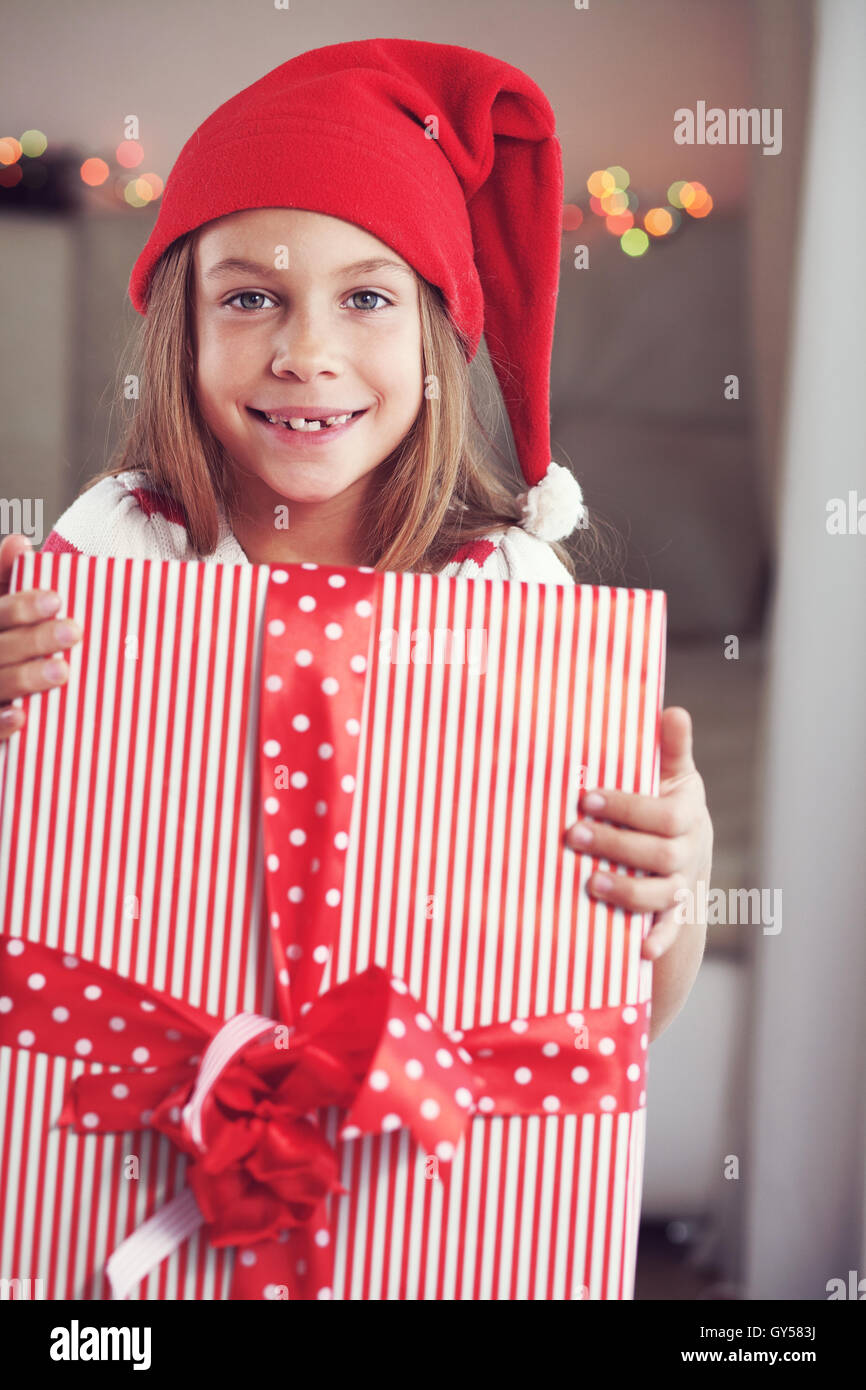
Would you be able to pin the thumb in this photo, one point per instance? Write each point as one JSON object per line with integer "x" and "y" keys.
{"x": 676, "y": 743}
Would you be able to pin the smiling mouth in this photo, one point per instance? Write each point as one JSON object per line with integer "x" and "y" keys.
{"x": 302, "y": 426}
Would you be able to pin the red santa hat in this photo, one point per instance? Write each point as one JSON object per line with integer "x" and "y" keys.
{"x": 448, "y": 156}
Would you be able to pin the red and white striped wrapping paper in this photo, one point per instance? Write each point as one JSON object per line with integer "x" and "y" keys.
{"x": 135, "y": 789}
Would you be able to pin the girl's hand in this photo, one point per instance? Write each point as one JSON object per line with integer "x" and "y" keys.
{"x": 26, "y": 635}
{"x": 669, "y": 835}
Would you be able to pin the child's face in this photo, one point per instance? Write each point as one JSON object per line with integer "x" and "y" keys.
{"x": 313, "y": 335}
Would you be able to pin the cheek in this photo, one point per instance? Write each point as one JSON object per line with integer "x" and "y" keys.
{"x": 407, "y": 373}
{"x": 217, "y": 370}
{"x": 214, "y": 360}
{"x": 222, "y": 350}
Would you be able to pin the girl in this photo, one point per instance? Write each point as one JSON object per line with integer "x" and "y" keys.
{"x": 330, "y": 243}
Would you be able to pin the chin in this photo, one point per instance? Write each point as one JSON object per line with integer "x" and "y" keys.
{"x": 304, "y": 491}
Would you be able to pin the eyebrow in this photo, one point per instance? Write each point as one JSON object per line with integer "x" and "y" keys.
{"x": 233, "y": 265}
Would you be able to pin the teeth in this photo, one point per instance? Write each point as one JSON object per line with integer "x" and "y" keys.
{"x": 308, "y": 425}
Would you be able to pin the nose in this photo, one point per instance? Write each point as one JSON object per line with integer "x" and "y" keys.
{"x": 305, "y": 345}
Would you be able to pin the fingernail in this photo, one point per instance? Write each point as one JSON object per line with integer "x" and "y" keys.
{"x": 54, "y": 670}
{"x": 11, "y": 716}
{"x": 581, "y": 835}
{"x": 602, "y": 884}
{"x": 48, "y": 604}
{"x": 593, "y": 801}
{"x": 68, "y": 631}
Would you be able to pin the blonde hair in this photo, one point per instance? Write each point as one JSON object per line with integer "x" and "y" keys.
{"x": 445, "y": 484}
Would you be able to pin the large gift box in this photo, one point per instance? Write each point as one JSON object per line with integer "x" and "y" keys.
{"x": 302, "y": 994}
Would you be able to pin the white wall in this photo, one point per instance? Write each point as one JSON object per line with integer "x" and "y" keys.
{"x": 804, "y": 1171}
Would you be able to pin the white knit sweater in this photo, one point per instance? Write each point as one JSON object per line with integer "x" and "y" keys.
{"x": 119, "y": 516}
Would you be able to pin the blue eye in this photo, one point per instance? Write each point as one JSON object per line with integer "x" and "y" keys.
{"x": 358, "y": 294}
{"x": 256, "y": 294}
{"x": 374, "y": 294}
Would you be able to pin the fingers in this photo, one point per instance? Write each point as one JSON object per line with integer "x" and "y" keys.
{"x": 660, "y": 896}
{"x": 24, "y": 668}
{"x": 652, "y": 894}
{"x": 30, "y": 677}
{"x": 669, "y": 815}
{"x": 10, "y": 548}
{"x": 655, "y": 854}
{"x": 27, "y": 607}
{"x": 661, "y": 938}
{"x": 31, "y": 642}
{"x": 11, "y": 720}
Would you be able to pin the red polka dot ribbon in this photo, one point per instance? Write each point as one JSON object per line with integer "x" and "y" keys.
{"x": 318, "y": 641}
{"x": 239, "y": 1096}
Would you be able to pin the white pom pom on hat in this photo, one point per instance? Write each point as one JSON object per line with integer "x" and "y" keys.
{"x": 553, "y": 508}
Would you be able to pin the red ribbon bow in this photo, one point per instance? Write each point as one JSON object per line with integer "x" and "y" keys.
{"x": 239, "y": 1098}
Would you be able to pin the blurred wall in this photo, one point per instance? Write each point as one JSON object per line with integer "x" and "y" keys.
{"x": 807, "y": 1152}
{"x": 39, "y": 258}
